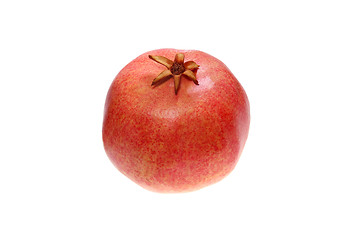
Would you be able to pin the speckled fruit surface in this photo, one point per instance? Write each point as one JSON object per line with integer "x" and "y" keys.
{"x": 168, "y": 142}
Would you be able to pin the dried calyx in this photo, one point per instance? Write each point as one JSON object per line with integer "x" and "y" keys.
{"x": 175, "y": 69}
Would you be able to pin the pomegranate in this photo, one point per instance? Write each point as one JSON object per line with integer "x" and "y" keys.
{"x": 175, "y": 125}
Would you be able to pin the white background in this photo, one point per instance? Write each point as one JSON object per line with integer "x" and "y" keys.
{"x": 57, "y": 60}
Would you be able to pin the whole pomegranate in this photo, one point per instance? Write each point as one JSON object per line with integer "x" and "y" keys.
{"x": 175, "y": 120}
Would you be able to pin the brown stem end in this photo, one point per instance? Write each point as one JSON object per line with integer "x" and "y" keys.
{"x": 175, "y": 69}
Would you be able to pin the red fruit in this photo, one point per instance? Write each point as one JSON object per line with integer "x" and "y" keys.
{"x": 168, "y": 134}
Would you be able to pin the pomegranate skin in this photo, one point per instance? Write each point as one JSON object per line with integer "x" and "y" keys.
{"x": 175, "y": 143}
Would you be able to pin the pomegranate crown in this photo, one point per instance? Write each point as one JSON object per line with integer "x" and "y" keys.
{"x": 175, "y": 69}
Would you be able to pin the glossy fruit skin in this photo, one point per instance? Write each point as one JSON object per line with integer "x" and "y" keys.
{"x": 175, "y": 143}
